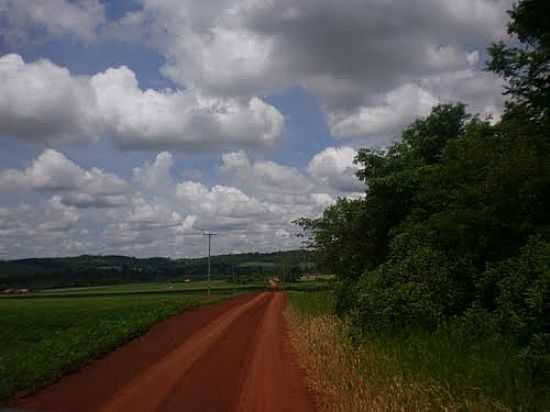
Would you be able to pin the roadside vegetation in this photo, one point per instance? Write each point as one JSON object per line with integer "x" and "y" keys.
{"x": 347, "y": 372}
{"x": 41, "y": 339}
{"x": 444, "y": 266}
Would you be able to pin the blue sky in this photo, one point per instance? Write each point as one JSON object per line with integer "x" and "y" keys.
{"x": 128, "y": 126}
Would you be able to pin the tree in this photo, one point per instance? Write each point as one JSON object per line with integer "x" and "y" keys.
{"x": 526, "y": 67}
{"x": 338, "y": 238}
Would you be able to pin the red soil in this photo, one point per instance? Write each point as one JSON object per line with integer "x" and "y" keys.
{"x": 234, "y": 356}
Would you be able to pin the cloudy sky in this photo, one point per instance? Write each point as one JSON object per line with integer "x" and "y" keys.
{"x": 128, "y": 126}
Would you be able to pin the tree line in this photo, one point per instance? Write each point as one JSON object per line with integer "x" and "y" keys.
{"x": 90, "y": 270}
{"x": 455, "y": 225}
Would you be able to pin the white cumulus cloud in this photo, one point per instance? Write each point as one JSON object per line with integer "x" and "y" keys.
{"x": 54, "y": 172}
{"x": 374, "y": 65}
{"x": 43, "y": 102}
{"x": 334, "y": 167}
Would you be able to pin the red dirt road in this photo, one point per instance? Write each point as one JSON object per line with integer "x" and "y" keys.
{"x": 231, "y": 357}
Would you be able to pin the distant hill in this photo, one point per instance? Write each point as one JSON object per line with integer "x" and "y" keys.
{"x": 91, "y": 270}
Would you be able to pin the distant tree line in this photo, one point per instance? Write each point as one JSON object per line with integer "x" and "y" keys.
{"x": 455, "y": 226}
{"x": 86, "y": 270}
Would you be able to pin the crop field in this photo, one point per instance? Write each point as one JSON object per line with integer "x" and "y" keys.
{"x": 164, "y": 288}
{"x": 45, "y": 334}
{"x": 152, "y": 287}
{"x": 143, "y": 286}
{"x": 43, "y": 338}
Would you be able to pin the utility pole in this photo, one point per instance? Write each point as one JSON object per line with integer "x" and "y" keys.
{"x": 209, "y": 234}
{"x": 233, "y": 278}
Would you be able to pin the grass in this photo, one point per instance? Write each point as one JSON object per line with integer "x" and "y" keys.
{"x": 200, "y": 286}
{"x": 143, "y": 286}
{"x": 151, "y": 287}
{"x": 441, "y": 371}
{"x": 43, "y": 339}
{"x": 473, "y": 370}
{"x": 310, "y": 304}
{"x": 310, "y": 285}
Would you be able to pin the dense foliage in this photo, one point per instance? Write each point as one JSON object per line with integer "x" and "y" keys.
{"x": 455, "y": 226}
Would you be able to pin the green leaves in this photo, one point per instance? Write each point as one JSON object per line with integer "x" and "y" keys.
{"x": 526, "y": 68}
{"x": 428, "y": 137}
{"x": 338, "y": 238}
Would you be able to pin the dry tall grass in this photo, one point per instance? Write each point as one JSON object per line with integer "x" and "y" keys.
{"x": 346, "y": 378}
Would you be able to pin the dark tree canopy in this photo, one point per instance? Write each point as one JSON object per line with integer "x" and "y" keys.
{"x": 526, "y": 67}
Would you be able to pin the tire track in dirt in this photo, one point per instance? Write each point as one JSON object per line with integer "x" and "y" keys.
{"x": 149, "y": 390}
{"x": 230, "y": 357}
{"x": 274, "y": 381}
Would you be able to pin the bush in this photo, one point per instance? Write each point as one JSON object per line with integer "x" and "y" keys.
{"x": 345, "y": 297}
{"x": 521, "y": 289}
{"x": 420, "y": 287}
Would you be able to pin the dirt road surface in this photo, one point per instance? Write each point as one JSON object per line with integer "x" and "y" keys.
{"x": 234, "y": 356}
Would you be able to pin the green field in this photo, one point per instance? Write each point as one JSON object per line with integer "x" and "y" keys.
{"x": 143, "y": 286}
{"x": 309, "y": 285}
{"x": 42, "y": 339}
{"x": 313, "y": 303}
{"x": 193, "y": 287}
{"x": 152, "y": 287}
{"x": 45, "y": 334}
